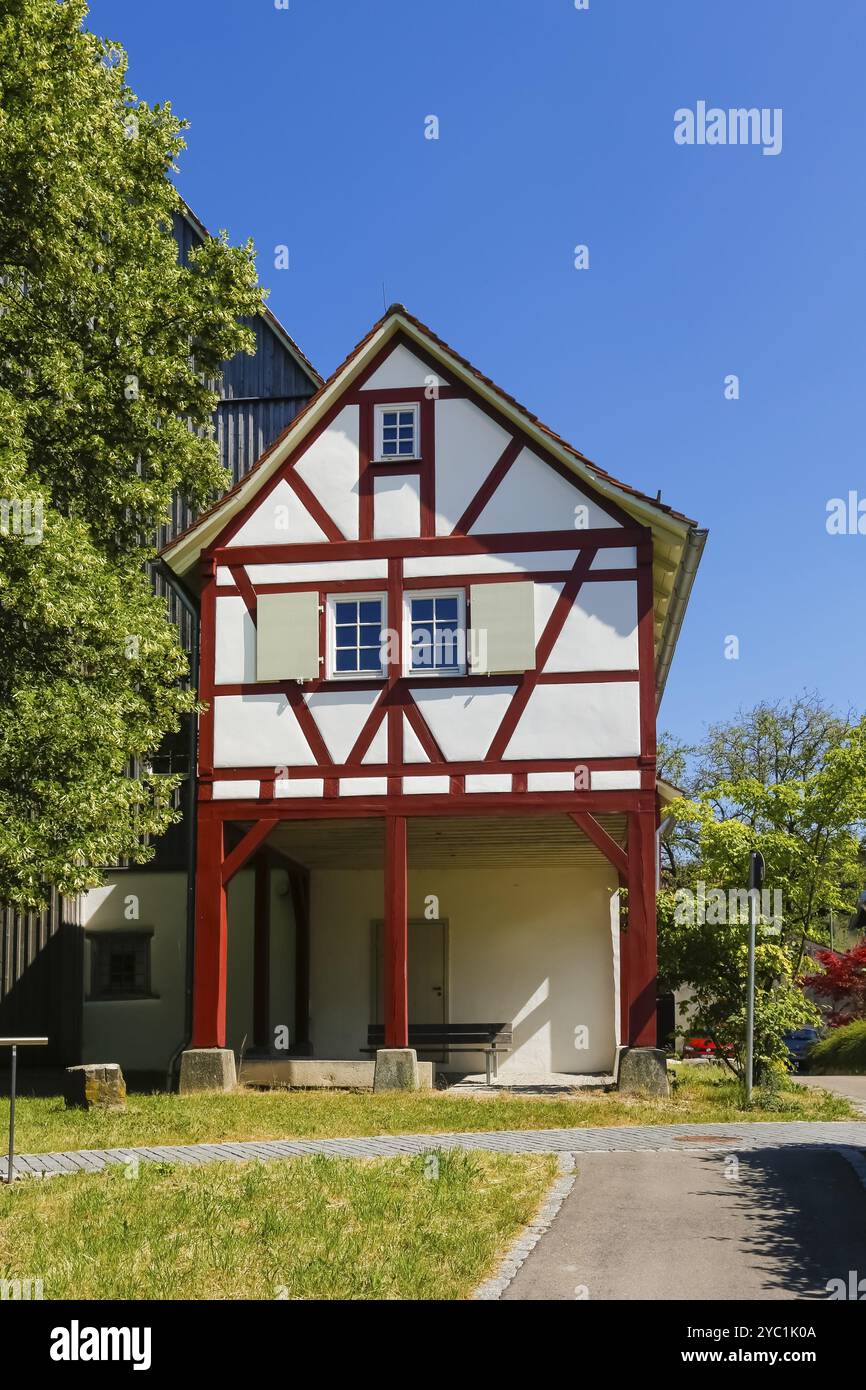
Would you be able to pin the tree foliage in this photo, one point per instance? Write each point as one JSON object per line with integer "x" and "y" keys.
{"x": 788, "y": 780}
{"x": 109, "y": 351}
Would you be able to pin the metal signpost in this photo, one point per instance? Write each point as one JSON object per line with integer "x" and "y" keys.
{"x": 756, "y": 882}
{"x": 15, "y": 1043}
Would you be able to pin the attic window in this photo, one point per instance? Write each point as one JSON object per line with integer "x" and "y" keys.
{"x": 396, "y": 433}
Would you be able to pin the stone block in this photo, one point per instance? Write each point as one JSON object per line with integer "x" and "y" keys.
{"x": 95, "y": 1085}
{"x": 396, "y": 1069}
{"x": 207, "y": 1069}
{"x": 644, "y": 1071}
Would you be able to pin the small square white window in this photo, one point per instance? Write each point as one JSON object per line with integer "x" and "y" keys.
{"x": 436, "y": 632}
{"x": 396, "y": 433}
{"x": 355, "y": 636}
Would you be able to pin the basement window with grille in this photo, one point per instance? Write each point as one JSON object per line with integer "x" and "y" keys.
{"x": 396, "y": 433}
{"x": 120, "y": 965}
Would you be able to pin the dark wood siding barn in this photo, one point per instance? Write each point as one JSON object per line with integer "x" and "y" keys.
{"x": 41, "y": 952}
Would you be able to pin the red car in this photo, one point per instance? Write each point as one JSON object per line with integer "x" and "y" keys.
{"x": 704, "y": 1047}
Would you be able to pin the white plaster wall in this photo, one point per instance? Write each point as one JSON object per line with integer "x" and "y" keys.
{"x": 140, "y": 1034}
{"x": 402, "y": 369}
{"x": 468, "y": 444}
{"x": 396, "y": 506}
{"x": 516, "y": 562}
{"x": 280, "y": 519}
{"x": 530, "y": 947}
{"x": 600, "y": 632}
{"x": 595, "y": 720}
{"x": 463, "y": 719}
{"x": 534, "y": 497}
{"x": 258, "y": 731}
{"x": 330, "y": 468}
{"x": 235, "y": 662}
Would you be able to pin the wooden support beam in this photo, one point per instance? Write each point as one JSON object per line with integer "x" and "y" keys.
{"x": 210, "y": 959}
{"x": 299, "y": 887}
{"x": 602, "y": 841}
{"x": 262, "y": 951}
{"x": 396, "y": 934}
{"x": 642, "y": 962}
{"x": 246, "y": 848}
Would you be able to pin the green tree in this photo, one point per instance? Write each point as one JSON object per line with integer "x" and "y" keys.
{"x": 110, "y": 351}
{"x": 789, "y": 781}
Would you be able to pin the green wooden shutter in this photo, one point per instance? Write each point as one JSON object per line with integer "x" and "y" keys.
{"x": 287, "y": 646}
{"x": 502, "y": 619}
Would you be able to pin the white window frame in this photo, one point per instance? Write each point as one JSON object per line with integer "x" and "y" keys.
{"x": 331, "y": 601}
{"x": 379, "y": 456}
{"x": 431, "y": 673}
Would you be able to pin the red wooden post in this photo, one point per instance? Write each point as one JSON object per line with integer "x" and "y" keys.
{"x": 261, "y": 951}
{"x": 211, "y": 939}
{"x": 396, "y": 935}
{"x": 641, "y": 950}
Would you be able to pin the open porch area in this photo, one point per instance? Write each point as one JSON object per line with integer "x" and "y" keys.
{"x": 312, "y": 929}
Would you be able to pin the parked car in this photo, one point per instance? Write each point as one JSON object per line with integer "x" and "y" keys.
{"x": 800, "y": 1044}
{"x": 704, "y": 1047}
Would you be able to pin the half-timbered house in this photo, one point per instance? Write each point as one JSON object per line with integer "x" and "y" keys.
{"x": 433, "y": 638}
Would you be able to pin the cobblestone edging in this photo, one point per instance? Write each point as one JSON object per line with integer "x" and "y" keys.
{"x": 857, "y": 1160}
{"x": 615, "y": 1139}
{"x": 494, "y": 1287}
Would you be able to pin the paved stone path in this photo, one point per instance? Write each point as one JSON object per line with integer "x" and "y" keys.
{"x": 646, "y": 1138}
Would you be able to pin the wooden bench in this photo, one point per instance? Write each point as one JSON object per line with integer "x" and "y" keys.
{"x": 489, "y": 1038}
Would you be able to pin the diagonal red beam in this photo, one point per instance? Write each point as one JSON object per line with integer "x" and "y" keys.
{"x": 546, "y": 643}
{"x": 372, "y": 724}
{"x": 245, "y": 848}
{"x": 488, "y": 487}
{"x": 245, "y": 588}
{"x": 602, "y": 841}
{"x": 309, "y": 727}
{"x": 314, "y": 506}
{"x": 423, "y": 730}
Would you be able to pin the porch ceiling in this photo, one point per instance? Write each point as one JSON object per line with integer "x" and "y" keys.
{"x": 436, "y": 842}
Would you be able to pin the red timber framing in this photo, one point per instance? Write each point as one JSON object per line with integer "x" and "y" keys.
{"x": 633, "y": 864}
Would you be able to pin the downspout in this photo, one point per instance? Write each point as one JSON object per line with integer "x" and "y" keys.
{"x": 187, "y": 602}
{"x": 695, "y": 542}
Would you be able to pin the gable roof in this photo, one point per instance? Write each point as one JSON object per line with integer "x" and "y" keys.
{"x": 265, "y": 313}
{"x": 678, "y": 543}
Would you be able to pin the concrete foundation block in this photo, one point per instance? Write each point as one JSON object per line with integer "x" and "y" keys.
{"x": 95, "y": 1086}
{"x": 313, "y": 1074}
{"x": 207, "y": 1069}
{"x": 396, "y": 1069}
{"x": 644, "y": 1071}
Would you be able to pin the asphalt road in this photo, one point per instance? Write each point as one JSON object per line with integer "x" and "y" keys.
{"x": 774, "y": 1224}
{"x": 854, "y": 1087}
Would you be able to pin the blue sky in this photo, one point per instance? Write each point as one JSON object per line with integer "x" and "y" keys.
{"x": 556, "y": 129}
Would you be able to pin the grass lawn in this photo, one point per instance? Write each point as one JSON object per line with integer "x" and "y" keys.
{"x": 702, "y": 1094}
{"x": 426, "y": 1227}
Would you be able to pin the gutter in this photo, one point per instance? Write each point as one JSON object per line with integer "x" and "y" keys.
{"x": 695, "y": 542}
{"x": 187, "y": 602}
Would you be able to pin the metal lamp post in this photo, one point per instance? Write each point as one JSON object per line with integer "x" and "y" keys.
{"x": 757, "y": 869}
{"x": 15, "y": 1043}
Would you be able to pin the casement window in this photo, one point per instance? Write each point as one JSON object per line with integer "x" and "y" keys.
{"x": 436, "y": 632}
{"x": 355, "y": 635}
{"x": 120, "y": 964}
{"x": 397, "y": 433}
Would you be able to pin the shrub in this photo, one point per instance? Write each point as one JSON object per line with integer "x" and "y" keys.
{"x": 842, "y": 1052}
